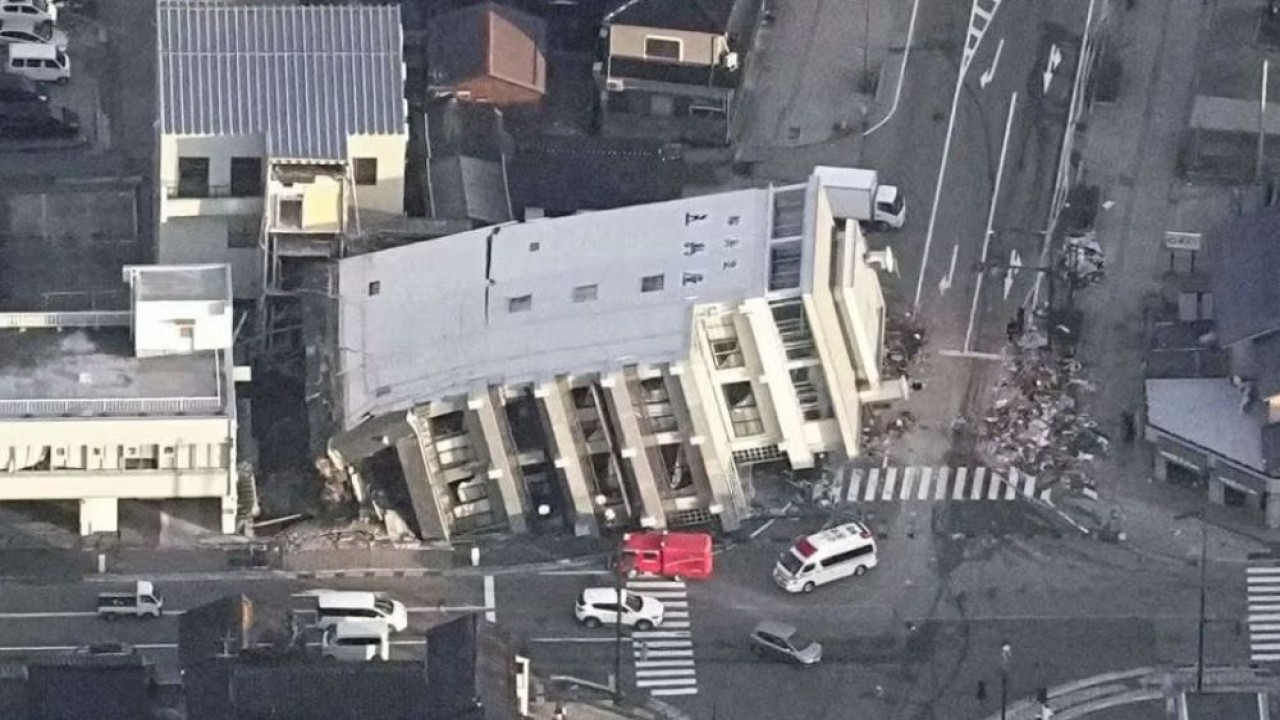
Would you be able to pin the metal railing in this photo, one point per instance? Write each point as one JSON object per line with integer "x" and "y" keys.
{"x": 83, "y": 319}
{"x": 91, "y": 407}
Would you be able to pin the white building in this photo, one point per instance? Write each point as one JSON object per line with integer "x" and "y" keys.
{"x": 104, "y": 406}
{"x": 281, "y": 127}
{"x": 616, "y": 367}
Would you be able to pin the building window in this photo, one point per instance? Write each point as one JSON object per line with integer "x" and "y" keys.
{"x": 784, "y": 265}
{"x": 193, "y": 177}
{"x": 743, "y": 413}
{"x": 660, "y": 48}
{"x": 522, "y": 303}
{"x": 366, "y": 171}
{"x": 375, "y": 287}
{"x": 585, "y": 293}
{"x": 242, "y": 231}
{"x": 246, "y": 177}
{"x": 725, "y": 350}
{"x": 652, "y": 283}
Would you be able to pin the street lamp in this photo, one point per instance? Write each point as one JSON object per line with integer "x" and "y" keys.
{"x": 1006, "y": 653}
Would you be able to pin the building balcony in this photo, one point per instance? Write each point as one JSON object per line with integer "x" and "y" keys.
{"x": 201, "y": 200}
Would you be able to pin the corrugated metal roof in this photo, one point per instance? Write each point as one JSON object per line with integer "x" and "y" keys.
{"x": 305, "y": 77}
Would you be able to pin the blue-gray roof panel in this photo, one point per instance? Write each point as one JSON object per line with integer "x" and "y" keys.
{"x": 306, "y": 78}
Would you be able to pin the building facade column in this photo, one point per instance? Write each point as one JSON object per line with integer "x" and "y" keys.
{"x": 618, "y": 385}
{"x": 554, "y": 395}
{"x": 713, "y": 447}
{"x": 776, "y": 377}
{"x": 1217, "y": 491}
{"x": 503, "y": 468}
{"x": 1273, "y": 504}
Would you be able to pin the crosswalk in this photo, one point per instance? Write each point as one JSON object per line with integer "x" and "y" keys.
{"x": 664, "y": 655}
{"x": 936, "y": 484}
{"x": 1264, "y": 612}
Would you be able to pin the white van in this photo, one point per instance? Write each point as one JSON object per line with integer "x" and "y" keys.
{"x": 333, "y": 606}
{"x": 832, "y": 554}
{"x": 42, "y": 63}
{"x": 357, "y": 641}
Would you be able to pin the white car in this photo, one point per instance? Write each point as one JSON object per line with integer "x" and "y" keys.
{"x": 600, "y": 606}
{"x": 356, "y": 641}
{"x": 29, "y": 31}
{"x": 35, "y": 10}
{"x": 333, "y": 606}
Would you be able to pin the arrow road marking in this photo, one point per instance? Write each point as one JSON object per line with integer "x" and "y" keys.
{"x": 1015, "y": 262}
{"x": 945, "y": 283}
{"x": 990, "y": 73}
{"x": 1055, "y": 59}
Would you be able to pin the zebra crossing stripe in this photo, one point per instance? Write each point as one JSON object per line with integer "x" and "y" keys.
{"x": 655, "y": 584}
{"x": 674, "y": 691}
{"x": 684, "y": 653}
{"x": 660, "y": 682}
{"x": 1264, "y": 570}
{"x": 890, "y": 477}
{"x": 944, "y": 474}
{"x": 872, "y": 478}
{"x": 855, "y": 484}
{"x": 979, "y": 476}
{"x": 1028, "y": 486}
{"x": 665, "y": 672}
{"x": 957, "y": 489}
{"x": 1011, "y": 485}
{"x": 994, "y": 486}
{"x": 667, "y": 663}
{"x": 908, "y": 483}
{"x": 926, "y": 476}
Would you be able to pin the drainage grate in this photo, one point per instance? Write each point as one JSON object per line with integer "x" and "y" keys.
{"x": 686, "y": 518}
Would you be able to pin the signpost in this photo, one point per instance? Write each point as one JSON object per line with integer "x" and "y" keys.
{"x": 1188, "y": 242}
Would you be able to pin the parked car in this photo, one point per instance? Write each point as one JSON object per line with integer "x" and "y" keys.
{"x": 21, "y": 30}
{"x": 600, "y": 606}
{"x": 37, "y": 120}
{"x": 142, "y": 601}
{"x": 37, "y": 10}
{"x": 110, "y": 648}
{"x": 42, "y": 63}
{"x": 334, "y": 606}
{"x": 356, "y": 641}
{"x": 18, "y": 89}
{"x": 783, "y": 642}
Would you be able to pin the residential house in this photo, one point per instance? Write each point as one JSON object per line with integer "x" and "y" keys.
{"x": 281, "y": 128}
{"x": 613, "y": 368}
{"x": 669, "y": 70}
{"x": 103, "y": 407}
{"x": 1223, "y": 429}
{"x": 488, "y": 53}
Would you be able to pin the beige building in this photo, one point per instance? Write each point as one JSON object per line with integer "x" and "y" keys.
{"x": 614, "y": 368}
{"x": 281, "y": 128}
{"x": 98, "y": 407}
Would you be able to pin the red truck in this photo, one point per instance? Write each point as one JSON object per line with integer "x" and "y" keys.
{"x": 676, "y": 555}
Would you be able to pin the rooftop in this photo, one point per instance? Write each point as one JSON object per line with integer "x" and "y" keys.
{"x": 489, "y": 39}
{"x": 94, "y": 373}
{"x": 525, "y": 301}
{"x": 192, "y": 282}
{"x": 1206, "y": 412}
{"x": 1246, "y": 297}
{"x": 708, "y": 16}
{"x": 306, "y": 77}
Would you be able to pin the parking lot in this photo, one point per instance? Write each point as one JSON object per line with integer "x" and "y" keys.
{"x": 72, "y": 215}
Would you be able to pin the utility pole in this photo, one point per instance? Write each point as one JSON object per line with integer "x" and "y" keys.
{"x": 1262, "y": 122}
{"x": 1204, "y": 558}
{"x": 618, "y": 571}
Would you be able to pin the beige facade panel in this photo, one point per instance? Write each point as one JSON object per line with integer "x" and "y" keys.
{"x": 694, "y": 47}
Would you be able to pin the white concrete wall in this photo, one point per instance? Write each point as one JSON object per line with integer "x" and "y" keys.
{"x": 196, "y": 240}
{"x": 218, "y": 148}
{"x": 156, "y": 330}
{"x": 387, "y": 196}
{"x": 695, "y": 47}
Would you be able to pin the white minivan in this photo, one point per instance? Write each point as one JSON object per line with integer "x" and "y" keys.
{"x": 834, "y": 553}
{"x": 42, "y": 63}
{"x": 333, "y": 606}
{"x": 356, "y": 641}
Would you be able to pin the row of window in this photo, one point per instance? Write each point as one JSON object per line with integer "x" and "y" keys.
{"x": 586, "y": 293}
{"x": 246, "y": 177}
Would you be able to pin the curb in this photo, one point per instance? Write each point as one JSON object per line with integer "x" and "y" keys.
{"x": 343, "y": 573}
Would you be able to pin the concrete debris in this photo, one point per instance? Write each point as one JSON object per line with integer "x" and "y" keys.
{"x": 1035, "y": 424}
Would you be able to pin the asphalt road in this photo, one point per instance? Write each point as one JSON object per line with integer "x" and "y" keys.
{"x": 56, "y": 618}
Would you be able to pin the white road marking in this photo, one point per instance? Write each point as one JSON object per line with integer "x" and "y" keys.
{"x": 490, "y": 601}
{"x": 579, "y": 640}
{"x": 674, "y": 691}
{"x": 574, "y": 572}
{"x": 68, "y": 614}
{"x": 448, "y": 608}
{"x": 665, "y": 672}
{"x": 902, "y": 72}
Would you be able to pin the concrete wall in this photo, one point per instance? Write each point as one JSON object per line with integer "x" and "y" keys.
{"x": 193, "y": 240}
{"x": 696, "y": 48}
{"x": 156, "y": 330}
{"x": 387, "y": 196}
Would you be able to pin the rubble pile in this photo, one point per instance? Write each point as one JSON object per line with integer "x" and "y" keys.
{"x": 1036, "y": 426}
{"x": 904, "y": 340}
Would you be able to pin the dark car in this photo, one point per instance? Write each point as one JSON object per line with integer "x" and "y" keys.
{"x": 37, "y": 120}
{"x": 17, "y": 89}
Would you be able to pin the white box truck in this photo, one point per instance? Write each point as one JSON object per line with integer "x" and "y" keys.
{"x": 857, "y": 194}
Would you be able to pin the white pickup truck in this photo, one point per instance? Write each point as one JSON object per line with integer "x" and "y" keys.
{"x": 143, "y": 602}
